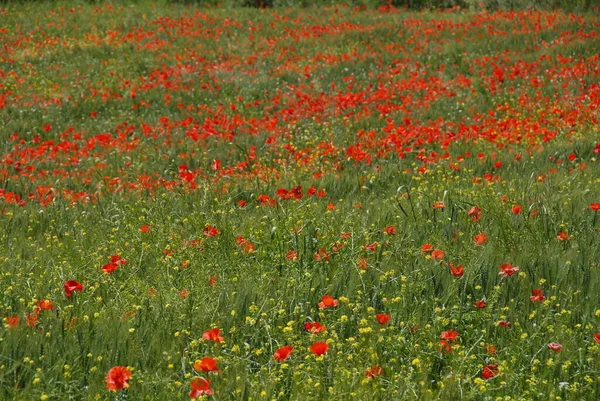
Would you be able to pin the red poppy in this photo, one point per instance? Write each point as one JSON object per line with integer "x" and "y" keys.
{"x": 437, "y": 254}
{"x": 283, "y": 353}
{"x": 390, "y": 230}
{"x": 563, "y": 236}
{"x": 516, "y": 209}
{"x": 118, "y": 260}
{"x": 212, "y": 281}
{"x": 480, "y": 239}
{"x": 291, "y": 255}
{"x": 72, "y": 286}
{"x": 507, "y": 269}
{"x": 213, "y": 334}
{"x": 45, "y": 304}
{"x": 211, "y": 231}
{"x": 538, "y": 296}
{"x": 322, "y": 255}
{"x": 145, "y": 228}
{"x": 373, "y": 372}
{"x": 491, "y": 349}
{"x": 383, "y": 318}
{"x": 241, "y": 203}
{"x": 314, "y": 327}
{"x": 12, "y": 321}
{"x": 449, "y": 335}
{"x": 597, "y": 337}
{"x": 490, "y": 371}
{"x": 200, "y": 386}
{"x": 207, "y": 364}
{"x": 444, "y": 347}
{"x": 457, "y": 271}
{"x": 439, "y": 205}
{"x": 504, "y": 323}
{"x": 115, "y": 262}
{"x": 426, "y": 248}
{"x": 474, "y": 213}
{"x": 556, "y": 347}
{"x": 363, "y": 263}
{"x": 480, "y": 304}
{"x": 116, "y": 378}
{"x": 371, "y": 247}
{"x": 319, "y": 348}
{"x": 328, "y": 302}
{"x": 595, "y": 207}
{"x": 109, "y": 267}
{"x": 31, "y": 319}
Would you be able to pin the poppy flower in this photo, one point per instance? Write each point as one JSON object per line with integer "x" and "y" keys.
{"x": 373, "y": 372}
{"x": 595, "y": 207}
{"x": 507, "y": 269}
{"x": 437, "y": 254}
{"x": 563, "y": 236}
{"x": 116, "y": 378}
{"x": 556, "y": 347}
{"x": 504, "y": 323}
{"x": 31, "y": 319}
{"x": 390, "y": 230}
{"x": 444, "y": 347}
{"x": 449, "y": 335}
{"x": 241, "y": 203}
{"x": 490, "y": 371}
{"x": 115, "y": 262}
{"x": 319, "y": 348}
{"x": 118, "y": 260}
{"x": 457, "y": 271}
{"x": 538, "y": 296}
{"x": 12, "y": 321}
{"x": 45, "y": 304}
{"x": 322, "y": 254}
{"x": 383, "y": 318}
{"x": 212, "y": 281}
{"x": 597, "y": 337}
{"x": 213, "y": 334}
{"x": 291, "y": 255}
{"x": 426, "y": 248}
{"x": 72, "y": 286}
{"x": 328, "y": 302}
{"x": 480, "y": 239}
{"x": 314, "y": 327}
{"x": 206, "y": 364}
{"x": 283, "y": 353}
{"x": 211, "y": 231}
{"x": 491, "y": 349}
{"x": 145, "y": 228}
{"x": 474, "y": 213}
{"x": 516, "y": 209}
{"x": 109, "y": 267}
{"x": 439, "y": 205}
{"x": 480, "y": 304}
{"x": 371, "y": 247}
{"x": 200, "y": 386}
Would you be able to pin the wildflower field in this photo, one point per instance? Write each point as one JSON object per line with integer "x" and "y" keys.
{"x": 328, "y": 203}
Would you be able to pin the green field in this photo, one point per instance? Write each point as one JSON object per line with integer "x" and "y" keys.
{"x": 407, "y": 201}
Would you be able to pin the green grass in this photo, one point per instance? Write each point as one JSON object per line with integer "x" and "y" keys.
{"x": 113, "y": 118}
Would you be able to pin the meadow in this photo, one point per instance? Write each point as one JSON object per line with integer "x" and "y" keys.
{"x": 335, "y": 203}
